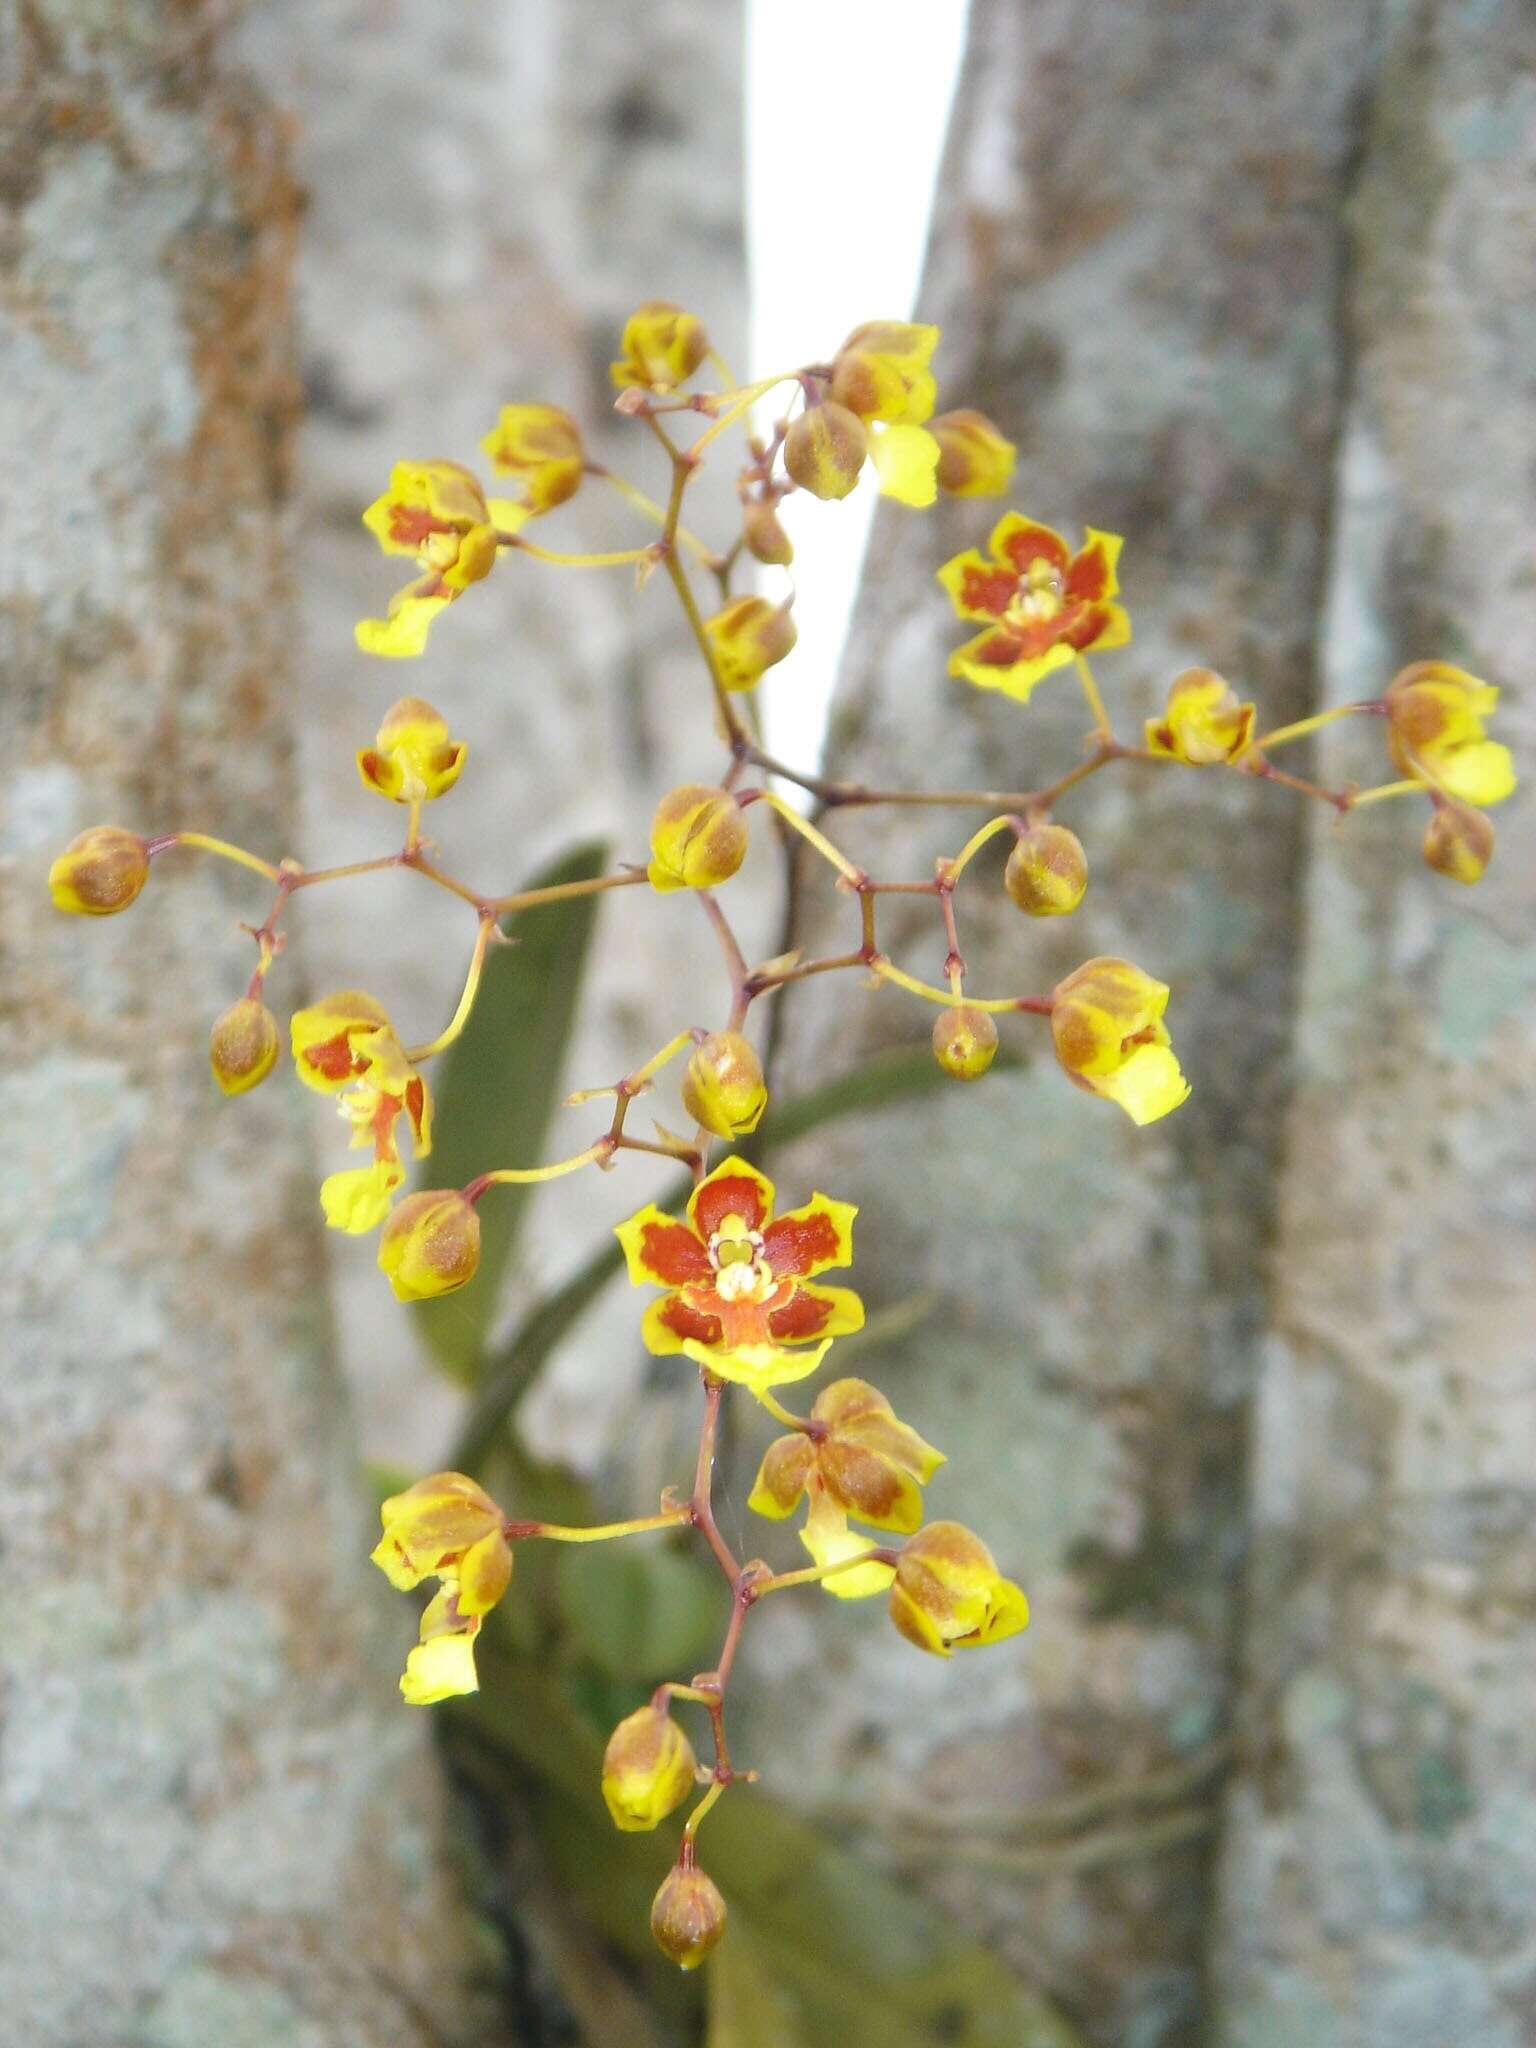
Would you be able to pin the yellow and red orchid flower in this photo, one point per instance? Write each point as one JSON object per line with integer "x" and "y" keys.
{"x": 448, "y": 1528}
{"x": 739, "y": 1281}
{"x": 345, "y": 1045}
{"x": 437, "y": 512}
{"x": 855, "y": 1458}
{"x": 1043, "y": 605}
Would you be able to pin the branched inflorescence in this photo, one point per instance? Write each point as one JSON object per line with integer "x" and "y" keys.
{"x": 741, "y": 1293}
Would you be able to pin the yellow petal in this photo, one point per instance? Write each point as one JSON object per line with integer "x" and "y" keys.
{"x": 906, "y": 461}
{"x": 1147, "y": 1086}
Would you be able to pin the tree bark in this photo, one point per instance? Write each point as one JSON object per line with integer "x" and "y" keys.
{"x": 1379, "y": 1871}
{"x": 219, "y": 1824}
{"x": 1137, "y": 266}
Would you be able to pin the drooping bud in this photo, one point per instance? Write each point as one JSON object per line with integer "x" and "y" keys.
{"x": 1047, "y": 871}
{"x": 430, "y": 1245}
{"x": 949, "y": 1595}
{"x": 662, "y": 346}
{"x": 964, "y": 1041}
{"x": 881, "y": 372}
{"x": 412, "y": 758}
{"x": 975, "y": 459}
{"x": 764, "y": 535}
{"x": 541, "y": 445}
{"x": 687, "y": 1916}
{"x": 100, "y": 871}
{"x": 243, "y": 1045}
{"x": 648, "y": 1769}
{"x": 723, "y": 1086}
{"x": 825, "y": 449}
{"x": 698, "y": 838}
{"x": 747, "y": 637}
{"x": 1458, "y": 842}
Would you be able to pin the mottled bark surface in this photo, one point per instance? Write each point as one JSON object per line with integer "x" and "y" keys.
{"x": 219, "y": 1825}
{"x": 485, "y": 207}
{"x": 1380, "y": 1842}
{"x": 1136, "y": 263}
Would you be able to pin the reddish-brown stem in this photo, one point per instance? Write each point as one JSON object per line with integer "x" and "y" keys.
{"x": 701, "y": 1504}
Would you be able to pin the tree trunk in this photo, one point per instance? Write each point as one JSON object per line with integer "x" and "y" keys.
{"x": 1137, "y": 264}
{"x": 219, "y": 1824}
{"x": 485, "y": 209}
{"x": 1379, "y": 1873}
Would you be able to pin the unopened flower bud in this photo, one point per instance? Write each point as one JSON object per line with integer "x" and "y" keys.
{"x": 648, "y": 1769}
{"x": 1458, "y": 842}
{"x": 1047, "y": 871}
{"x": 764, "y": 535}
{"x": 948, "y": 1593}
{"x": 824, "y": 450}
{"x": 975, "y": 459}
{"x": 965, "y": 1041}
{"x": 430, "y": 1245}
{"x": 747, "y": 637}
{"x": 99, "y": 872}
{"x": 412, "y": 758}
{"x": 1435, "y": 732}
{"x": 242, "y": 1046}
{"x": 1203, "y": 721}
{"x": 723, "y": 1086}
{"x": 687, "y": 1916}
{"x": 662, "y": 346}
{"x": 698, "y": 838}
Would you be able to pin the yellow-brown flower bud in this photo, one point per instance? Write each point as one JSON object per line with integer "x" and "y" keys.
{"x": 948, "y": 1593}
{"x": 1047, "y": 871}
{"x": 698, "y": 838}
{"x": 430, "y": 1245}
{"x": 662, "y": 346}
{"x": 412, "y": 759}
{"x": 1458, "y": 842}
{"x": 975, "y": 459}
{"x": 99, "y": 872}
{"x": 242, "y": 1046}
{"x": 648, "y": 1769}
{"x": 687, "y": 1916}
{"x": 1107, "y": 1026}
{"x": 825, "y": 449}
{"x": 764, "y": 535}
{"x": 965, "y": 1041}
{"x": 746, "y": 638}
{"x": 723, "y": 1086}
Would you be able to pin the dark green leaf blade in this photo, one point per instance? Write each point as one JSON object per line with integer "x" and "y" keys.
{"x": 497, "y": 1087}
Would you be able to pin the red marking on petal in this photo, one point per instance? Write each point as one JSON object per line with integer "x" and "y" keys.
{"x": 685, "y": 1321}
{"x": 1035, "y": 544}
{"x": 411, "y": 525}
{"x": 332, "y": 1057}
{"x": 988, "y": 590}
{"x": 1084, "y": 627}
{"x": 416, "y": 1102}
{"x": 730, "y": 1195}
{"x": 1002, "y": 650}
{"x": 795, "y": 1243}
{"x": 804, "y": 1317}
{"x": 1088, "y": 577}
{"x": 673, "y": 1253}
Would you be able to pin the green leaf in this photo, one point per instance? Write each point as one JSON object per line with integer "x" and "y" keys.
{"x": 887, "y": 1079}
{"x": 856, "y": 1956}
{"x": 747, "y": 2007}
{"x": 640, "y": 1615}
{"x": 496, "y": 1088}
